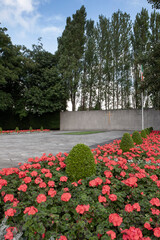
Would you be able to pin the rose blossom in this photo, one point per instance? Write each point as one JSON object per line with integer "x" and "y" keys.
{"x": 115, "y": 219}
{"x": 30, "y": 210}
{"x": 63, "y": 179}
{"x": 113, "y": 197}
{"x": 52, "y": 192}
{"x": 106, "y": 189}
{"x": 128, "y": 208}
{"x": 111, "y": 234}
{"x": 23, "y": 188}
{"x": 51, "y": 183}
{"x": 82, "y": 208}
{"x": 41, "y": 198}
{"x": 101, "y": 199}
{"x": 65, "y": 197}
{"x": 9, "y": 197}
{"x": 156, "y": 232}
{"x": 10, "y": 212}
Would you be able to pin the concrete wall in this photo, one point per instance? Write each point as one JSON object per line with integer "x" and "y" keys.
{"x": 109, "y": 120}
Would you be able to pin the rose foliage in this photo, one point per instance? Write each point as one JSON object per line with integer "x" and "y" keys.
{"x": 121, "y": 201}
{"x": 24, "y": 131}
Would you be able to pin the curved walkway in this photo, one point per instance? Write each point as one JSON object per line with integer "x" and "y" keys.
{"x": 15, "y": 148}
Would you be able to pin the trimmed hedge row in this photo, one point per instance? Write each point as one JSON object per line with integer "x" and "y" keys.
{"x": 9, "y": 121}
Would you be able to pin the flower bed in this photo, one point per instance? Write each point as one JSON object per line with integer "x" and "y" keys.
{"x": 24, "y": 131}
{"x": 122, "y": 201}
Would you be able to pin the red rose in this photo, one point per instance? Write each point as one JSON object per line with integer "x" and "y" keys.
{"x": 156, "y": 232}
{"x": 49, "y": 175}
{"x": 136, "y": 207}
{"x": 101, "y": 199}
{"x": 9, "y": 197}
{"x": 34, "y": 174}
{"x": 22, "y": 187}
{"x": 52, "y": 192}
{"x": 115, "y": 219}
{"x": 155, "y": 201}
{"x": 65, "y": 197}
{"x": 106, "y": 189}
{"x": 10, "y": 212}
{"x": 63, "y": 179}
{"x": 42, "y": 185}
{"x": 108, "y": 174}
{"x": 51, "y": 183}
{"x": 27, "y": 179}
{"x": 113, "y": 197}
{"x": 62, "y": 238}
{"x": 41, "y": 198}
{"x": 30, "y": 210}
{"x": 38, "y": 180}
{"x": 128, "y": 208}
{"x": 148, "y": 226}
{"x": 111, "y": 234}
{"x": 82, "y": 208}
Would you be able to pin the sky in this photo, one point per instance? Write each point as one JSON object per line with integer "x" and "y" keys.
{"x": 27, "y": 20}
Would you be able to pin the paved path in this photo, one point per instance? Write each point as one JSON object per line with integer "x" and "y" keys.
{"x": 15, "y": 148}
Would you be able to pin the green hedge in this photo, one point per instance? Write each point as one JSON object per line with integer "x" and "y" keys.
{"x": 9, "y": 121}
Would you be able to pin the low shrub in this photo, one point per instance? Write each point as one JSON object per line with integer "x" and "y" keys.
{"x": 30, "y": 128}
{"x": 143, "y": 134}
{"x": 80, "y": 163}
{"x": 41, "y": 128}
{"x": 17, "y": 129}
{"x": 126, "y": 143}
{"x": 147, "y": 131}
{"x": 1, "y": 130}
{"x": 137, "y": 137}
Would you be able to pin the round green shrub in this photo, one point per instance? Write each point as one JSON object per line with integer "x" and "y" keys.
{"x": 41, "y": 128}
{"x": 30, "y": 128}
{"x": 137, "y": 137}
{"x": 1, "y": 130}
{"x": 151, "y": 129}
{"x": 17, "y": 129}
{"x": 126, "y": 143}
{"x": 143, "y": 134}
{"x": 80, "y": 163}
{"x": 146, "y": 130}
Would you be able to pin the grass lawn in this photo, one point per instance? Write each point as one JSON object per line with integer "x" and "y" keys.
{"x": 81, "y": 133}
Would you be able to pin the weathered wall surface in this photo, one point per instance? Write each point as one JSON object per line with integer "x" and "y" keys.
{"x": 109, "y": 120}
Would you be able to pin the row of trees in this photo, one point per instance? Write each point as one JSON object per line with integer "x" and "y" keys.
{"x": 100, "y": 62}
{"x": 96, "y": 66}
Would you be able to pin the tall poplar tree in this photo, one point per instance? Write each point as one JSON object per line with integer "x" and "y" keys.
{"x": 140, "y": 44}
{"x": 70, "y": 53}
{"x": 116, "y": 49}
{"x": 89, "y": 76}
{"x": 125, "y": 60}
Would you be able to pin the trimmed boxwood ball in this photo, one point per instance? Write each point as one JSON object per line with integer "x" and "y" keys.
{"x": 143, "y": 134}
{"x": 146, "y": 130}
{"x": 80, "y": 163}
{"x": 137, "y": 137}
{"x": 126, "y": 143}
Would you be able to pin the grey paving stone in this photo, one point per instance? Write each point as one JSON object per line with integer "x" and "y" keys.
{"x": 15, "y": 148}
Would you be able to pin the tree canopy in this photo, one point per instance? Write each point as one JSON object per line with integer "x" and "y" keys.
{"x": 155, "y": 3}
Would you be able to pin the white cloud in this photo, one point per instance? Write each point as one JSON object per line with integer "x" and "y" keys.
{"x": 56, "y": 18}
{"x": 52, "y": 29}
{"x": 19, "y": 13}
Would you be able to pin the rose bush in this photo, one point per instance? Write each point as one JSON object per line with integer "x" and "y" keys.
{"x": 121, "y": 201}
{"x": 24, "y": 131}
